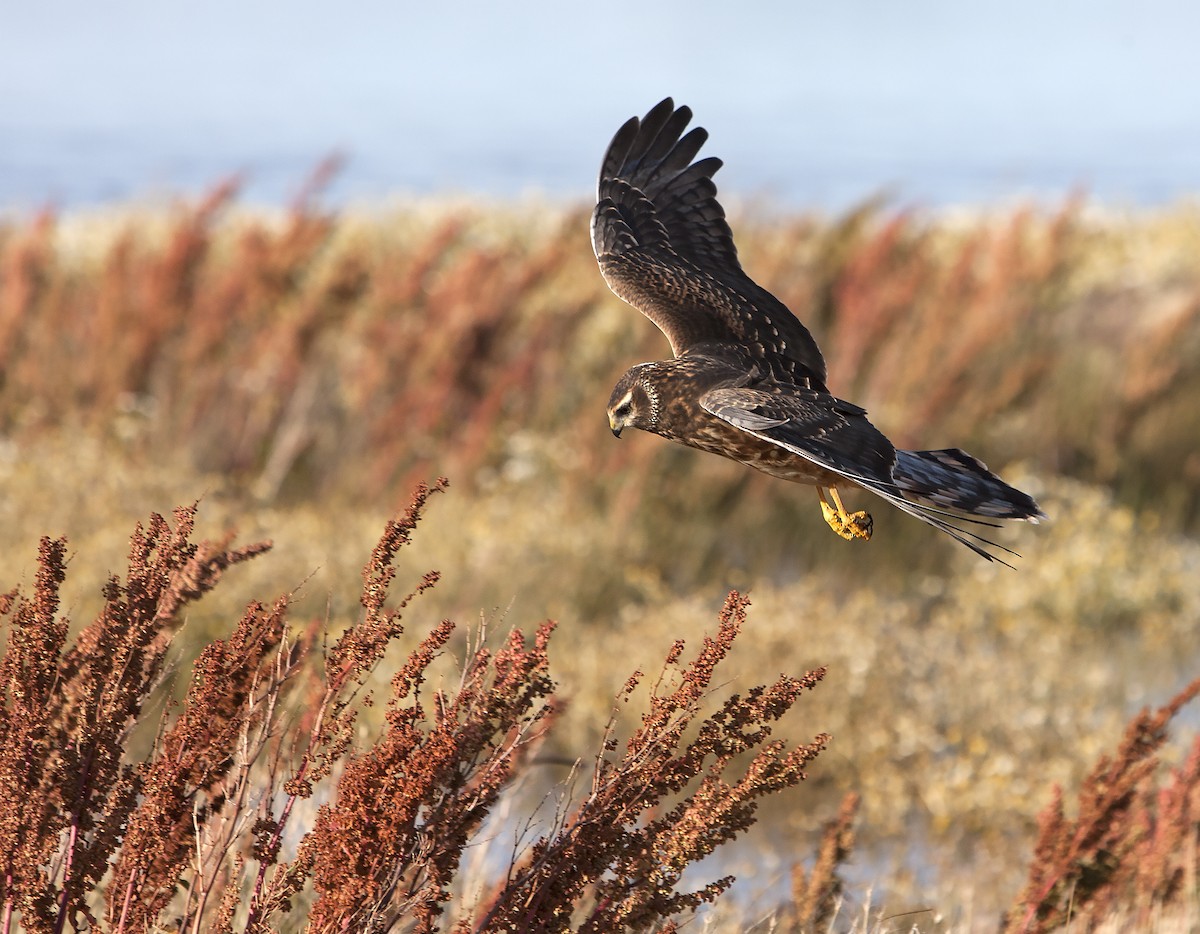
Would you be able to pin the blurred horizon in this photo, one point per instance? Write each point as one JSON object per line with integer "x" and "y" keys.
{"x": 809, "y": 105}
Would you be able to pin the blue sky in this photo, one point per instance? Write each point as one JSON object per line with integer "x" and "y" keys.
{"x": 811, "y": 103}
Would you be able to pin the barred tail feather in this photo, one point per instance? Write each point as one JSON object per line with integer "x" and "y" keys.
{"x": 953, "y": 479}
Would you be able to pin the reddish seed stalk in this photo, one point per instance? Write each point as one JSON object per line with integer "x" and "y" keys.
{"x": 65, "y": 894}
{"x": 6, "y": 918}
{"x": 84, "y": 794}
{"x": 300, "y": 775}
{"x": 126, "y": 902}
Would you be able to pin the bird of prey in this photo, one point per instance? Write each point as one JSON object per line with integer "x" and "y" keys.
{"x": 747, "y": 380}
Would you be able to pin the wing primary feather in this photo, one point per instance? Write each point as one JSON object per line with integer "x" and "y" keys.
{"x": 677, "y": 159}
{"x": 664, "y": 140}
{"x": 649, "y": 131}
{"x": 699, "y": 173}
{"x": 962, "y": 536}
{"x": 617, "y": 152}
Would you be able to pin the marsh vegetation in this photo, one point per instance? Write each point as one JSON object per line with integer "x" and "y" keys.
{"x": 300, "y": 374}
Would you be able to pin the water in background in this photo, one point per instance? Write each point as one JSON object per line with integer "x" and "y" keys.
{"x": 809, "y": 104}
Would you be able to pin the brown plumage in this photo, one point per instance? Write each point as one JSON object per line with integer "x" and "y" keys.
{"x": 747, "y": 380}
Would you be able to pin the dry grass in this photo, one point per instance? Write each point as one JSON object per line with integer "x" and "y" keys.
{"x": 314, "y": 355}
{"x": 298, "y": 371}
{"x": 1131, "y": 847}
{"x": 194, "y": 835}
{"x": 267, "y": 745}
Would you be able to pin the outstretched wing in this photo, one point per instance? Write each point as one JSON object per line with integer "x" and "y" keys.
{"x": 836, "y": 435}
{"x": 664, "y": 246}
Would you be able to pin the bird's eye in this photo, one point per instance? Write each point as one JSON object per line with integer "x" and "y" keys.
{"x": 624, "y": 408}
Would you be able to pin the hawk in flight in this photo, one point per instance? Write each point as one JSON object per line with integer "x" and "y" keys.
{"x": 747, "y": 380}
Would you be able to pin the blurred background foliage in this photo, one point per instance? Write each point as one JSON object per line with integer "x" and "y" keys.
{"x": 299, "y": 370}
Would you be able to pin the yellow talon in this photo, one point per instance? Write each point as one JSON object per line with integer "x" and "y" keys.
{"x": 848, "y": 525}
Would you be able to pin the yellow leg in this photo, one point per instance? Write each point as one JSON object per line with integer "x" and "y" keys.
{"x": 848, "y": 525}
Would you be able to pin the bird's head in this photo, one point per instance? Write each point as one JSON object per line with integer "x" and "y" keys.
{"x": 634, "y": 401}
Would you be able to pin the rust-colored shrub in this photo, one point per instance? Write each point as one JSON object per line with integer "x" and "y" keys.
{"x": 1131, "y": 843}
{"x": 264, "y": 748}
{"x": 270, "y": 348}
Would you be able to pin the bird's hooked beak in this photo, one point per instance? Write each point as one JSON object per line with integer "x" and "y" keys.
{"x": 612, "y": 423}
